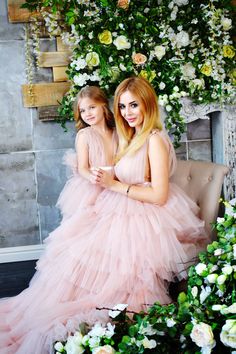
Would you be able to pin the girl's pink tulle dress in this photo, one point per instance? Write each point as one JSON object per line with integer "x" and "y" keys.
{"x": 116, "y": 251}
{"x": 78, "y": 192}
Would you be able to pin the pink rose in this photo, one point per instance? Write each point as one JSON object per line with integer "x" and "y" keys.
{"x": 139, "y": 58}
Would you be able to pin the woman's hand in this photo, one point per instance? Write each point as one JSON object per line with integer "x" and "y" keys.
{"x": 102, "y": 178}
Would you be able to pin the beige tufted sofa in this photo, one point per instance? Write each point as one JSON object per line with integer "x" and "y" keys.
{"x": 202, "y": 181}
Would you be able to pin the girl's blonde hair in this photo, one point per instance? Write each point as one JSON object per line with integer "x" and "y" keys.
{"x": 96, "y": 94}
{"x": 145, "y": 94}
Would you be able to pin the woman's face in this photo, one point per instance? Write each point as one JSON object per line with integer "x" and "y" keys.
{"x": 91, "y": 111}
{"x": 131, "y": 110}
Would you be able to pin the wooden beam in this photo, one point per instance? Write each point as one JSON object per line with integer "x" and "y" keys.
{"x": 59, "y": 74}
{"x": 62, "y": 47}
{"x": 48, "y": 113}
{"x": 51, "y": 59}
{"x": 17, "y": 14}
{"x": 44, "y": 94}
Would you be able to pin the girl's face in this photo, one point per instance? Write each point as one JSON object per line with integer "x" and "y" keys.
{"x": 91, "y": 111}
{"x": 131, "y": 110}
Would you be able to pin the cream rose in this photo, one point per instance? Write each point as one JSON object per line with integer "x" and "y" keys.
{"x": 92, "y": 59}
{"x": 139, "y": 58}
{"x": 228, "y": 334}
{"x": 121, "y": 42}
{"x": 226, "y": 23}
{"x": 159, "y": 51}
{"x": 202, "y": 335}
{"x": 105, "y": 349}
{"x": 148, "y": 343}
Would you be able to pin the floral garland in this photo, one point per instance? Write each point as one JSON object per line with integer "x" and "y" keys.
{"x": 183, "y": 47}
{"x": 202, "y": 321}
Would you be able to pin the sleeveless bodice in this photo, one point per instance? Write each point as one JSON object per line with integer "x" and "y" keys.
{"x": 97, "y": 153}
{"x": 132, "y": 168}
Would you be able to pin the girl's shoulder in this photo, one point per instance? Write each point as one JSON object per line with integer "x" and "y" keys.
{"x": 83, "y": 134}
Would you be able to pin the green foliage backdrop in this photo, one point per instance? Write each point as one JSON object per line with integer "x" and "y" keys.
{"x": 183, "y": 47}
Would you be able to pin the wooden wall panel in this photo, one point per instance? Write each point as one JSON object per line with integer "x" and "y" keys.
{"x": 16, "y": 13}
{"x": 45, "y": 94}
{"x": 52, "y": 59}
{"x": 59, "y": 74}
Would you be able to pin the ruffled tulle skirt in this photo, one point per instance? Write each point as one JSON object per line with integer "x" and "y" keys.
{"x": 118, "y": 251}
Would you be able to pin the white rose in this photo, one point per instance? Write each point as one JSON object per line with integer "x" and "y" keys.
{"x": 148, "y": 344}
{"x": 194, "y": 291}
{"x": 105, "y": 349}
{"x": 200, "y": 268}
{"x": 159, "y": 51}
{"x": 227, "y": 270}
{"x": 221, "y": 279}
{"x": 188, "y": 71}
{"x": 182, "y": 39}
{"x": 162, "y": 85}
{"x": 212, "y": 278}
{"x": 97, "y": 331}
{"x": 72, "y": 347}
{"x": 202, "y": 335}
{"x": 121, "y": 42}
{"x": 58, "y": 346}
{"x": 228, "y": 334}
{"x": 226, "y": 23}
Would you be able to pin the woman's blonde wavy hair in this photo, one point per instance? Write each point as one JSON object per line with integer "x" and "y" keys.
{"x": 147, "y": 98}
{"x": 96, "y": 94}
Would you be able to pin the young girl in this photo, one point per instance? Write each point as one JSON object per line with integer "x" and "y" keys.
{"x": 95, "y": 145}
{"x": 124, "y": 248}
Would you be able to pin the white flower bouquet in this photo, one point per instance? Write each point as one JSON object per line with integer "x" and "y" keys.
{"x": 202, "y": 321}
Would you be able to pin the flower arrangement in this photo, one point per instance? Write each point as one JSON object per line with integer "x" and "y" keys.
{"x": 202, "y": 321}
{"x": 183, "y": 47}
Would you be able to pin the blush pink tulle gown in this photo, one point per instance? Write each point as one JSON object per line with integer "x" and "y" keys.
{"x": 78, "y": 192}
{"x": 116, "y": 251}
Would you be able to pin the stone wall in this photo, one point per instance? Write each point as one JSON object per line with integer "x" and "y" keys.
{"x": 31, "y": 170}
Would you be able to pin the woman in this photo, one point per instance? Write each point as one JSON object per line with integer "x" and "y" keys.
{"x": 123, "y": 249}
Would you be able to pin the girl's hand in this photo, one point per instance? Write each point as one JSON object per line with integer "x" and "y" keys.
{"x": 102, "y": 178}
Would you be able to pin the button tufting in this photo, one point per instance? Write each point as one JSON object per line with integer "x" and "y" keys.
{"x": 189, "y": 178}
{"x": 210, "y": 178}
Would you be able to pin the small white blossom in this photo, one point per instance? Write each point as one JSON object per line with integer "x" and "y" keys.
{"x": 116, "y": 310}
{"x": 200, "y": 268}
{"x": 170, "y": 322}
{"x": 194, "y": 291}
